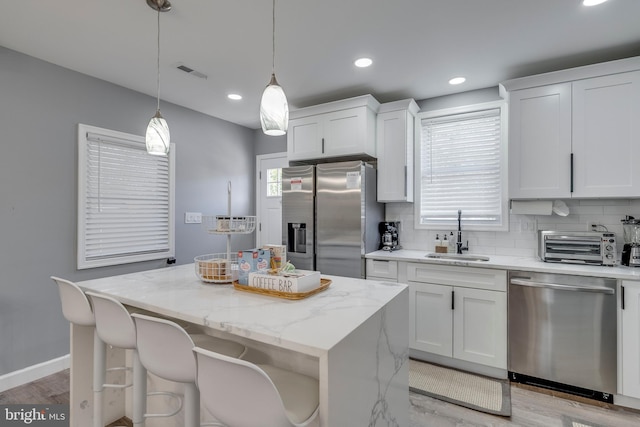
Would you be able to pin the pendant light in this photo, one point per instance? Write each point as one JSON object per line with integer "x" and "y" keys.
{"x": 274, "y": 110}
{"x": 157, "y": 137}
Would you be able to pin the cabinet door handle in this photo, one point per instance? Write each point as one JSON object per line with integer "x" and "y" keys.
{"x": 452, "y": 300}
{"x": 405, "y": 181}
{"x": 322, "y": 145}
{"x": 622, "y": 297}
{"x": 571, "y": 178}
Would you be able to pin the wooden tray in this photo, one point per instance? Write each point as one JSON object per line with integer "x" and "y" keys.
{"x": 324, "y": 284}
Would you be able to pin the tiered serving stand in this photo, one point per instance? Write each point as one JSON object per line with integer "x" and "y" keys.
{"x": 223, "y": 267}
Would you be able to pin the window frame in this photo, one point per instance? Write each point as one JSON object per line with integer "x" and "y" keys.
{"x": 278, "y": 182}
{"x": 137, "y": 142}
{"x": 504, "y": 208}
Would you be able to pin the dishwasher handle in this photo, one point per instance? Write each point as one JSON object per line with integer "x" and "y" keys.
{"x": 560, "y": 287}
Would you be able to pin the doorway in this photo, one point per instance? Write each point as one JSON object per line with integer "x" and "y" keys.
{"x": 269, "y": 198}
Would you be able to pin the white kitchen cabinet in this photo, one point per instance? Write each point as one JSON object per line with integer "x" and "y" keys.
{"x": 394, "y": 147}
{"x": 336, "y": 129}
{"x": 630, "y": 340}
{"x": 606, "y": 136}
{"x": 540, "y": 142}
{"x": 381, "y": 269}
{"x": 458, "y": 312}
{"x": 576, "y": 139}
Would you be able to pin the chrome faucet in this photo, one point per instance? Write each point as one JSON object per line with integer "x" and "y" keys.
{"x": 459, "y": 247}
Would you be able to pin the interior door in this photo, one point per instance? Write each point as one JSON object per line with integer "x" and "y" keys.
{"x": 269, "y": 198}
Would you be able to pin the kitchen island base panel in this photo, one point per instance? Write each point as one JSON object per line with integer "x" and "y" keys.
{"x": 81, "y": 396}
{"x": 368, "y": 373}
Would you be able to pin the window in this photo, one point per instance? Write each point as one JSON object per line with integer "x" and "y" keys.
{"x": 462, "y": 165}
{"x": 125, "y": 199}
{"x": 274, "y": 182}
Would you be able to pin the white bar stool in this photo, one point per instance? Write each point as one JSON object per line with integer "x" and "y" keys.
{"x": 77, "y": 309}
{"x": 166, "y": 350}
{"x": 276, "y": 397}
{"x": 115, "y": 327}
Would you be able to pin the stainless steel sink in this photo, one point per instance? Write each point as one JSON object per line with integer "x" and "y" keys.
{"x": 457, "y": 257}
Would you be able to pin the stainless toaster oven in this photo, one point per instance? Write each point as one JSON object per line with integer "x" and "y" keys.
{"x": 577, "y": 247}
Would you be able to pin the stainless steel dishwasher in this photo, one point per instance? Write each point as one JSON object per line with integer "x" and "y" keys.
{"x": 562, "y": 333}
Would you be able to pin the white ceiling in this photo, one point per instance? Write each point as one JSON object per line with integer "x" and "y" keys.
{"x": 416, "y": 45}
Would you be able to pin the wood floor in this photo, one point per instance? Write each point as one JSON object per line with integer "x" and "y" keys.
{"x": 530, "y": 408}
{"x": 51, "y": 389}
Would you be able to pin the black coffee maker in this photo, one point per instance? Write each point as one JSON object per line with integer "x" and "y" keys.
{"x": 389, "y": 240}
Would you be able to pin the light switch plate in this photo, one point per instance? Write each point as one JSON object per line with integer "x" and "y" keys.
{"x": 193, "y": 218}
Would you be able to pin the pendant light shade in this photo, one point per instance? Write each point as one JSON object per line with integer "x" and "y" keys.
{"x": 157, "y": 138}
{"x": 274, "y": 109}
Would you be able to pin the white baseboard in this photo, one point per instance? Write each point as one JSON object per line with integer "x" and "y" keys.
{"x": 34, "y": 372}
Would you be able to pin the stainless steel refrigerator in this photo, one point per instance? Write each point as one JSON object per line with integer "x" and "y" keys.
{"x": 330, "y": 216}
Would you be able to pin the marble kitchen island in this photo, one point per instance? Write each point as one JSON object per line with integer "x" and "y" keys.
{"x": 353, "y": 337}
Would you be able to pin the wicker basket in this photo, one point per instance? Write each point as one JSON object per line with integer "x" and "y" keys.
{"x": 217, "y": 268}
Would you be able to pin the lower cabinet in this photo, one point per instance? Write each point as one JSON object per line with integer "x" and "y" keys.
{"x": 630, "y": 340}
{"x": 459, "y": 312}
{"x": 380, "y": 269}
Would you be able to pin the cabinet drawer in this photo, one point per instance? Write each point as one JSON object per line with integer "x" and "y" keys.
{"x": 468, "y": 277}
{"x": 382, "y": 268}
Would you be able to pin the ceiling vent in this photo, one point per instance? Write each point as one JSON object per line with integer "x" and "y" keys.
{"x": 191, "y": 71}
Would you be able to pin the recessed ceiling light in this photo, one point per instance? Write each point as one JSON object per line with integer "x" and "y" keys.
{"x": 457, "y": 80}
{"x": 592, "y": 2}
{"x": 234, "y": 96}
{"x": 363, "y": 62}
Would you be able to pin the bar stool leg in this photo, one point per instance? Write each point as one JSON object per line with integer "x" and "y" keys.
{"x": 99, "y": 374}
{"x": 191, "y": 406}
{"x": 139, "y": 391}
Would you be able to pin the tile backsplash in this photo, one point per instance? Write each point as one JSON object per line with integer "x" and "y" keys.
{"x": 521, "y": 239}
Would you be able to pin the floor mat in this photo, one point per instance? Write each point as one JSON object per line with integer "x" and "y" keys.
{"x": 477, "y": 392}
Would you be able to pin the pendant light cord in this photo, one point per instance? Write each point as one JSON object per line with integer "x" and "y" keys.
{"x": 273, "y": 39}
{"x": 158, "y": 63}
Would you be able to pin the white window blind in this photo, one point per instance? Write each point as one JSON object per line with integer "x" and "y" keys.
{"x": 125, "y": 200}
{"x": 462, "y": 168}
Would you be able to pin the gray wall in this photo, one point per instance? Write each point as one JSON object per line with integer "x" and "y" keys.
{"x": 265, "y": 144}
{"x": 40, "y": 107}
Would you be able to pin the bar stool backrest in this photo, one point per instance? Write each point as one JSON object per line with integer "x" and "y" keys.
{"x": 113, "y": 322}
{"x": 75, "y": 305}
{"x": 237, "y": 392}
{"x": 165, "y": 348}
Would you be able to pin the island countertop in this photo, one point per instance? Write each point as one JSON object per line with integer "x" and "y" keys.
{"x": 312, "y": 325}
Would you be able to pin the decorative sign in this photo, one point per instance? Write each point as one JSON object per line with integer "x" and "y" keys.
{"x": 299, "y": 281}
{"x": 296, "y": 184}
{"x": 353, "y": 180}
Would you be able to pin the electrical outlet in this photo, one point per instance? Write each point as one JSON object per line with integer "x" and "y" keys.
{"x": 193, "y": 218}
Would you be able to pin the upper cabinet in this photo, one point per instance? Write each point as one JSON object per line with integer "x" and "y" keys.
{"x": 606, "y": 136}
{"x": 333, "y": 130}
{"x": 394, "y": 147}
{"x": 575, "y": 138}
{"x": 540, "y": 142}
